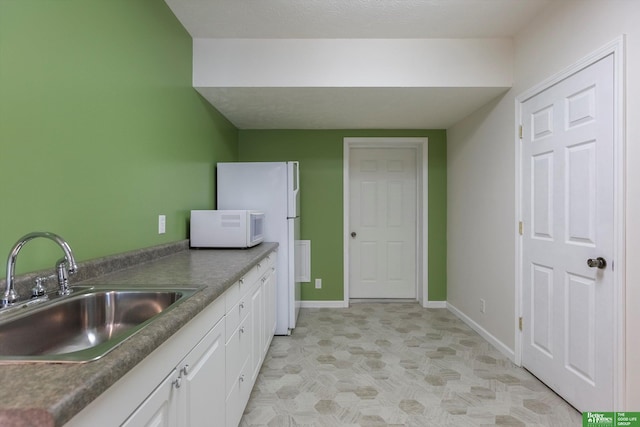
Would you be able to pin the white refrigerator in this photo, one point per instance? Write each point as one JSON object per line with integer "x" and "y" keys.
{"x": 271, "y": 187}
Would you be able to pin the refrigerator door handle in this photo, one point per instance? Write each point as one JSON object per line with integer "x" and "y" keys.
{"x": 294, "y": 180}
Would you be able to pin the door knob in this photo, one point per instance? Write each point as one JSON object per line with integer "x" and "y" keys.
{"x": 353, "y": 234}
{"x": 599, "y": 262}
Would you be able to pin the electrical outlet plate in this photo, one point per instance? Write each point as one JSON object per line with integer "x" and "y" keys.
{"x": 318, "y": 283}
{"x": 482, "y": 305}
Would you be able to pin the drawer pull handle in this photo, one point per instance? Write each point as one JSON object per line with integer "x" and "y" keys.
{"x": 242, "y": 305}
{"x": 242, "y": 329}
{"x": 259, "y": 265}
{"x": 241, "y": 281}
{"x": 241, "y": 378}
{"x": 177, "y": 382}
{"x": 185, "y": 370}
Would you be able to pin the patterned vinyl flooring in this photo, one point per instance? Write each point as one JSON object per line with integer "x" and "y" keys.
{"x": 395, "y": 364}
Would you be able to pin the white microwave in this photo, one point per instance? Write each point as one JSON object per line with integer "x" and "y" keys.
{"x": 226, "y": 228}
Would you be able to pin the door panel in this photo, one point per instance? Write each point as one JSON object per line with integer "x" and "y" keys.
{"x": 383, "y": 222}
{"x": 542, "y": 179}
{"x": 542, "y": 309}
{"x": 581, "y": 203}
{"x": 567, "y": 206}
{"x": 580, "y": 327}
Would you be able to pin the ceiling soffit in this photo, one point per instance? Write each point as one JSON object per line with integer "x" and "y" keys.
{"x": 308, "y": 64}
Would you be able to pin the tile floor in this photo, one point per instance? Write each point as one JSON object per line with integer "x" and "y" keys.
{"x": 395, "y": 364}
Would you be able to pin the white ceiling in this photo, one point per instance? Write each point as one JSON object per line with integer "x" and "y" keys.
{"x": 351, "y": 108}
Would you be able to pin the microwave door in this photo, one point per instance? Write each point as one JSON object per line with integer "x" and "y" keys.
{"x": 256, "y": 229}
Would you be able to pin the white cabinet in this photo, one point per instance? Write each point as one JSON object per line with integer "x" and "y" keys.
{"x": 247, "y": 334}
{"x": 238, "y": 349}
{"x": 192, "y": 392}
{"x": 204, "y": 373}
{"x": 148, "y": 394}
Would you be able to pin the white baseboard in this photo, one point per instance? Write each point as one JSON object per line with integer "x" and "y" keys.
{"x": 435, "y": 304}
{"x": 380, "y": 300}
{"x": 499, "y": 345}
{"x": 342, "y": 304}
{"x": 323, "y": 304}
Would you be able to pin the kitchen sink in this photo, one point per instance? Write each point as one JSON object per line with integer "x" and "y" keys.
{"x": 83, "y": 326}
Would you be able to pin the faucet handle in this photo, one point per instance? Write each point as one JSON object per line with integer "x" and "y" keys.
{"x": 39, "y": 289}
{"x": 10, "y": 297}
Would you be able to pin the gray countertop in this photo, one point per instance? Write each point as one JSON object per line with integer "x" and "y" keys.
{"x": 48, "y": 394}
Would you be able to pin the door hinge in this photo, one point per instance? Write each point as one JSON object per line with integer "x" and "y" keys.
{"x": 520, "y": 228}
{"x": 520, "y": 322}
{"x": 520, "y": 131}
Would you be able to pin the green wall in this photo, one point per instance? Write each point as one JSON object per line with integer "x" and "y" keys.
{"x": 320, "y": 153}
{"x": 100, "y": 128}
{"x": 101, "y": 131}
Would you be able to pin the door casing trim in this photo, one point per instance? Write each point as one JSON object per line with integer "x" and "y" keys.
{"x": 420, "y": 144}
{"x": 617, "y": 49}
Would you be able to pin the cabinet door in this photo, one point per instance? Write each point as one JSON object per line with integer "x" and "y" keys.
{"x": 202, "y": 389}
{"x": 269, "y": 309}
{"x": 256, "y": 331}
{"x": 159, "y": 409}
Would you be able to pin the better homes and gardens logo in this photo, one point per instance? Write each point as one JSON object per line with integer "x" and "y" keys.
{"x": 611, "y": 419}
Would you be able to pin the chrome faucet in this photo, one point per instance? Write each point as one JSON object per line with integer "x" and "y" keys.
{"x": 64, "y": 266}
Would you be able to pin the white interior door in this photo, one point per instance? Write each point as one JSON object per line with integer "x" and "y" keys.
{"x": 382, "y": 222}
{"x": 567, "y": 207}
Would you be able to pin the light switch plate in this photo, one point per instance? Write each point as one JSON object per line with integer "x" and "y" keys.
{"x": 162, "y": 224}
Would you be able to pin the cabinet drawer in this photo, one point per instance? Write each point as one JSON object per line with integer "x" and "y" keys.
{"x": 239, "y": 312}
{"x": 237, "y": 353}
{"x": 236, "y": 316}
{"x": 240, "y": 288}
{"x": 238, "y": 396}
{"x": 265, "y": 263}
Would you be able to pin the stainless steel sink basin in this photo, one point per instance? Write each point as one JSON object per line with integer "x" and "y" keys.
{"x": 83, "y": 326}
